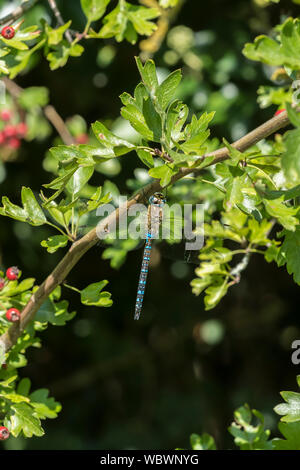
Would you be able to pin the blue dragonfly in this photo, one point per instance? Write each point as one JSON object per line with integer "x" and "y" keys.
{"x": 156, "y": 203}
{"x": 153, "y": 220}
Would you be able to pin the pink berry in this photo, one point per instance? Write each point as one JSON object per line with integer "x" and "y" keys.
{"x": 2, "y": 138}
{"x": 22, "y": 129}
{"x": 82, "y": 139}
{"x": 14, "y": 143}
{"x": 10, "y": 131}
{"x": 12, "y": 273}
{"x": 8, "y": 32}
{"x": 2, "y": 283}
{"x": 4, "y": 433}
{"x": 279, "y": 112}
{"x": 5, "y": 114}
{"x": 13, "y": 315}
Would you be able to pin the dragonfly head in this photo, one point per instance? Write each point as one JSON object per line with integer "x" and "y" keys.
{"x": 157, "y": 199}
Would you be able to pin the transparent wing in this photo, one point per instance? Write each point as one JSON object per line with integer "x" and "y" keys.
{"x": 170, "y": 240}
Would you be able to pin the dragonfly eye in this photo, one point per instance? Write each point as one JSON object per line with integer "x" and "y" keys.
{"x": 157, "y": 199}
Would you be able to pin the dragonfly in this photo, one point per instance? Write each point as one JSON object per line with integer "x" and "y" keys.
{"x": 151, "y": 221}
{"x": 154, "y": 216}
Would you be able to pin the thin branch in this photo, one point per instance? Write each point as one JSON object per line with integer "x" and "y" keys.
{"x": 80, "y": 247}
{"x": 59, "y": 18}
{"x": 49, "y": 111}
{"x": 59, "y": 124}
{"x": 18, "y": 12}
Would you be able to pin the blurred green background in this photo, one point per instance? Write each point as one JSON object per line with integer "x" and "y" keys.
{"x": 150, "y": 384}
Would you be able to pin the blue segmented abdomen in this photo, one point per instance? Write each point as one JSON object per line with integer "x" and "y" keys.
{"x": 143, "y": 277}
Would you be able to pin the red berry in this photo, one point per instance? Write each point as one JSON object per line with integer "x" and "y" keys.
{"x": 22, "y": 129}
{"x": 4, "y": 433}
{"x": 5, "y": 114}
{"x": 8, "y": 32}
{"x": 4, "y": 366}
{"x": 14, "y": 143}
{"x": 2, "y": 138}
{"x": 12, "y": 273}
{"x": 2, "y": 283}
{"x": 10, "y": 131}
{"x": 82, "y": 139}
{"x": 13, "y": 315}
{"x": 279, "y": 112}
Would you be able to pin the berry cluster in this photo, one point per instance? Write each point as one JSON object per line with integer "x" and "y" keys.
{"x": 12, "y": 274}
{"x": 11, "y": 134}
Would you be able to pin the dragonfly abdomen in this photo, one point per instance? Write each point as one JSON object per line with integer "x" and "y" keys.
{"x": 143, "y": 277}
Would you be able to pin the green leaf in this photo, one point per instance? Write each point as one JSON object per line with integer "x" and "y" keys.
{"x": 284, "y": 214}
{"x": 32, "y": 208}
{"x": 291, "y": 431}
{"x": 290, "y": 253}
{"x": 55, "y": 242}
{"x": 290, "y": 411}
{"x": 15, "y": 288}
{"x": 164, "y": 173}
{"x": 45, "y": 406}
{"x": 118, "y": 252}
{"x": 283, "y": 53}
{"x": 54, "y": 312}
{"x": 126, "y": 21}
{"x": 110, "y": 140}
{"x": 35, "y": 96}
{"x": 166, "y": 91}
{"x": 93, "y": 295}
{"x": 176, "y": 116}
{"x": 145, "y": 157}
{"x": 200, "y": 284}
{"x": 132, "y": 114}
{"x": 293, "y": 115}
{"x": 79, "y": 179}
{"x": 31, "y": 211}
{"x": 23, "y": 58}
{"x": 290, "y": 158}
{"x": 214, "y": 294}
{"x": 55, "y": 36}
{"x": 24, "y": 387}
{"x": 140, "y": 18}
{"x": 22, "y": 418}
{"x": 59, "y": 57}
{"x": 234, "y": 154}
{"x": 246, "y": 435}
{"x": 14, "y": 43}
{"x": 203, "y": 442}
{"x": 148, "y": 74}
{"x": 94, "y": 9}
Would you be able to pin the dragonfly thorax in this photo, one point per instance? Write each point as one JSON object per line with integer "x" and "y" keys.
{"x": 157, "y": 199}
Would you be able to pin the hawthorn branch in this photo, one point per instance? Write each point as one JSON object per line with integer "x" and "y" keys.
{"x": 59, "y": 18}
{"x": 80, "y": 247}
{"x": 50, "y": 112}
{"x": 18, "y": 12}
